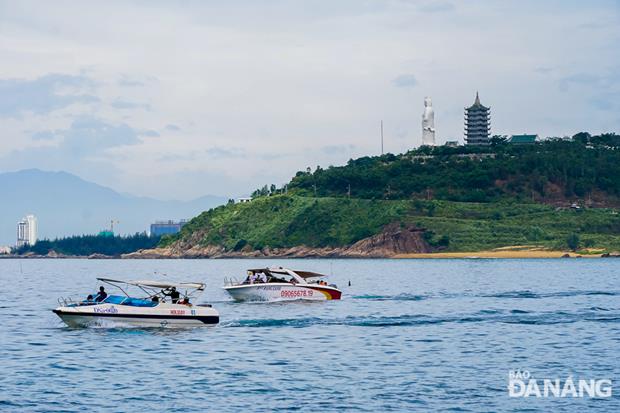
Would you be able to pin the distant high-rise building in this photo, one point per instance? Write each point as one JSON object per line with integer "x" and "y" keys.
{"x": 477, "y": 123}
{"x": 166, "y": 227}
{"x": 428, "y": 123}
{"x": 27, "y": 231}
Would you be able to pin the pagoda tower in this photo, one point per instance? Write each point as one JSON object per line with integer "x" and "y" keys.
{"x": 477, "y": 123}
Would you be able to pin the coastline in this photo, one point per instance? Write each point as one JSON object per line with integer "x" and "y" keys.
{"x": 500, "y": 253}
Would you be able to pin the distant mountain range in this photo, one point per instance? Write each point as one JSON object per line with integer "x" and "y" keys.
{"x": 65, "y": 204}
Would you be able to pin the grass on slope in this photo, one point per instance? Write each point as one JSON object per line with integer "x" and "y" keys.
{"x": 286, "y": 221}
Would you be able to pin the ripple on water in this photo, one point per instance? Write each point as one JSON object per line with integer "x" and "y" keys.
{"x": 437, "y": 335}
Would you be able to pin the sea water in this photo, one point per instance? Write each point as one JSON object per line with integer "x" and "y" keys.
{"x": 408, "y": 335}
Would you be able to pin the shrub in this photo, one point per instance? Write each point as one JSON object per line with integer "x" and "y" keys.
{"x": 573, "y": 241}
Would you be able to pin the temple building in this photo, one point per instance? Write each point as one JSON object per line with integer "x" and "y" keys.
{"x": 477, "y": 123}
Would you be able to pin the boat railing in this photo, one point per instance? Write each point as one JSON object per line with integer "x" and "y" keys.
{"x": 68, "y": 301}
{"x": 230, "y": 281}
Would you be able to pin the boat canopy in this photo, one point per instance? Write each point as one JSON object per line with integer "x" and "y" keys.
{"x": 156, "y": 284}
{"x": 302, "y": 274}
{"x": 309, "y": 274}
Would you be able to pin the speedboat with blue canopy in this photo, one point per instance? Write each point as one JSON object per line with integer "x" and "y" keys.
{"x": 160, "y": 304}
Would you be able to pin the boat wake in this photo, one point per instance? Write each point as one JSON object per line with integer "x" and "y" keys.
{"x": 399, "y": 297}
{"x": 515, "y": 316}
{"x": 531, "y": 294}
{"x": 503, "y": 294}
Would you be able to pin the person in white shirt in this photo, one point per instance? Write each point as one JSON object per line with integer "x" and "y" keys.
{"x": 253, "y": 278}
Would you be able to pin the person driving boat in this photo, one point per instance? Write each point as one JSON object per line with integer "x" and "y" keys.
{"x": 101, "y": 295}
{"x": 173, "y": 294}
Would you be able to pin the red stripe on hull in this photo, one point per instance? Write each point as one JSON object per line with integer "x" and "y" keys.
{"x": 329, "y": 293}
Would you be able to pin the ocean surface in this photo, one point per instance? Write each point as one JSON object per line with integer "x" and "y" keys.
{"x": 408, "y": 335}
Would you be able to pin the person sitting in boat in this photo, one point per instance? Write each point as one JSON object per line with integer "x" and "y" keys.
{"x": 101, "y": 295}
{"x": 173, "y": 294}
{"x": 262, "y": 277}
{"x": 250, "y": 278}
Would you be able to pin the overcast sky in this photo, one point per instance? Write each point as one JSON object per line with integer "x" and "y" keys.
{"x": 176, "y": 100}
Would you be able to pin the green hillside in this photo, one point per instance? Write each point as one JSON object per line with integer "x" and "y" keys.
{"x": 289, "y": 220}
{"x": 551, "y": 171}
{"x": 466, "y": 199}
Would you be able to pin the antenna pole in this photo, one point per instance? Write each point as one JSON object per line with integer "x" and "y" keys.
{"x": 381, "y": 136}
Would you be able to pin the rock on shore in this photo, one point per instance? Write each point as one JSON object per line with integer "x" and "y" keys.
{"x": 393, "y": 240}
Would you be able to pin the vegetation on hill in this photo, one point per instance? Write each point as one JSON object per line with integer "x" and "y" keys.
{"x": 553, "y": 170}
{"x": 285, "y": 221}
{"x": 466, "y": 198}
{"x": 84, "y": 245}
{"x": 282, "y": 221}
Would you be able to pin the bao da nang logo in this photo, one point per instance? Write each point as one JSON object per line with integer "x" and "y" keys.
{"x": 522, "y": 384}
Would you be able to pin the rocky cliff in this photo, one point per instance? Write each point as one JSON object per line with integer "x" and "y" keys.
{"x": 391, "y": 241}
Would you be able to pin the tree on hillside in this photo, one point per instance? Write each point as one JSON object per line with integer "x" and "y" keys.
{"x": 573, "y": 241}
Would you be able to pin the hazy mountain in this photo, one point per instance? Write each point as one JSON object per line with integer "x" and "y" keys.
{"x": 66, "y": 205}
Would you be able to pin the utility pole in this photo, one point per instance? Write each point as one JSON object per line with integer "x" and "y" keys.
{"x": 349, "y": 190}
{"x": 381, "y": 136}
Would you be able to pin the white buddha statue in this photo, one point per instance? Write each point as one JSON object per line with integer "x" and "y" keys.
{"x": 428, "y": 123}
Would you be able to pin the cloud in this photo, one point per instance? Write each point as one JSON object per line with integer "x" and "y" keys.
{"x": 175, "y": 157}
{"x": 607, "y": 101}
{"x": 43, "y": 135}
{"x": 86, "y": 136}
{"x": 150, "y": 133}
{"x": 299, "y": 86}
{"x": 602, "y": 103}
{"x": 338, "y": 149}
{"x": 406, "y": 80}
{"x": 601, "y": 82}
{"x": 44, "y": 94}
{"x": 82, "y": 149}
{"x": 436, "y": 7}
{"x": 126, "y": 81}
{"x": 123, "y": 104}
{"x": 90, "y": 135}
{"x": 172, "y": 127}
{"x": 217, "y": 152}
{"x": 587, "y": 79}
{"x": 543, "y": 70}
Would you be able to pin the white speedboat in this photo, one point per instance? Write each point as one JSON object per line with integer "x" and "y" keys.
{"x": 163, "y": 304}
{"x": 282, "y": 284}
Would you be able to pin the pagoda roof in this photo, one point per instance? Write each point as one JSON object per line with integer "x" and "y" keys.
{"x": 523, "y": 138}
{"x": 477, "y": 104}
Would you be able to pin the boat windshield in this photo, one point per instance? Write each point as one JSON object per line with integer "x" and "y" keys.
{"x": 272, "y": 275}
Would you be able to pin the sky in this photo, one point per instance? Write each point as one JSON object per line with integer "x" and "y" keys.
{"x": 179, "y": 99}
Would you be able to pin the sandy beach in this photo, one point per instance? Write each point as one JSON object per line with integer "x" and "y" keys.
{"x": 507, "y": 252}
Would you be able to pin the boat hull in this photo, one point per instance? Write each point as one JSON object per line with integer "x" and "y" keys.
{"x": 115, "y": 315}
{"x": 282, "y": 292}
